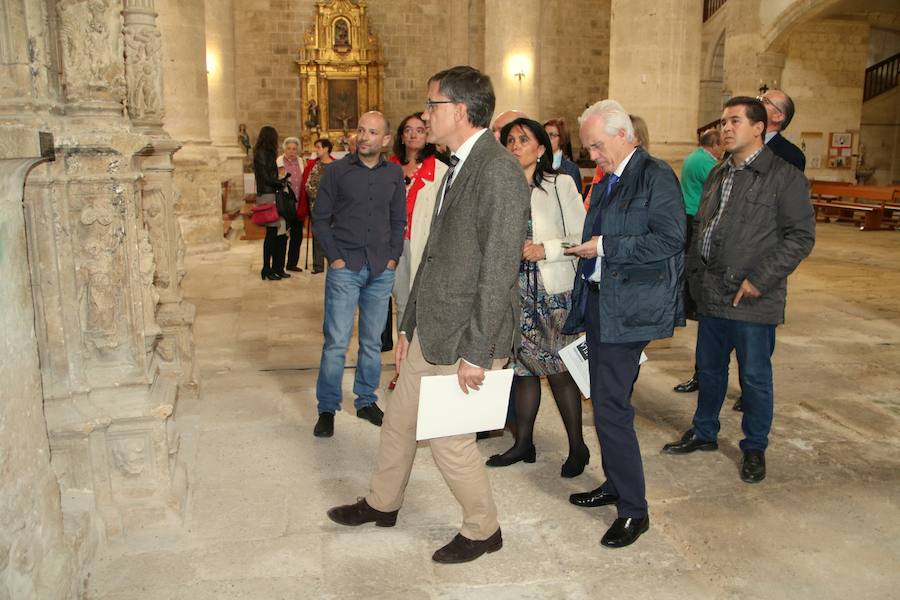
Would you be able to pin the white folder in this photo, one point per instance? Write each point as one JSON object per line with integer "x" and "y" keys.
{"x": 445, "y": 410}
{"x": 575, "y": 357}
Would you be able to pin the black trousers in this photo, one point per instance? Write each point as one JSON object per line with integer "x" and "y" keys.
{"x": 273, "y": 251}
{"x": 293, "y": 252}
{"x": 318, "y": 255}
{"x": 614, "y": 369}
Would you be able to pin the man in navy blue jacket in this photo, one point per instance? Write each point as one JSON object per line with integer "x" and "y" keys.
{"x": 627, "y": 292}
{"x": 779, "y": 112}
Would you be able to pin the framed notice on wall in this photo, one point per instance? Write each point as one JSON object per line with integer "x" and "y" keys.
{"x": 840, "y": 151}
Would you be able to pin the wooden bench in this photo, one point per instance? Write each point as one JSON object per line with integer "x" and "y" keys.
{"x": 866, "y": 203}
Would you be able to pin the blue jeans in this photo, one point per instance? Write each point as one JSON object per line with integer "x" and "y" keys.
{"x": 753, "y": 344}
{"x": 344, "y": 291}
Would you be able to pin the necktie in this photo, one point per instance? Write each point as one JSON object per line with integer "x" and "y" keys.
{"x": 454, "y": 160}
{"x": 590, "y": 264}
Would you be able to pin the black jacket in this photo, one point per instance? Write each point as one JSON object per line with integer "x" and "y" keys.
{"x": 643, "y": 229}
{"x": 266, "y": 172}
{"x": 785, "y": 150}
{"x": 767, "y": 228}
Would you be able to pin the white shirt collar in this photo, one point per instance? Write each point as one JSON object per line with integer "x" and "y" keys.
{"x": 770, "y": 135}
{"x": 621, "y": 168}
{"x": 462, "y": 153}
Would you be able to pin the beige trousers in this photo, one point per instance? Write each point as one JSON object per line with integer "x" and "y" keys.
{"x": 457, "y": 457}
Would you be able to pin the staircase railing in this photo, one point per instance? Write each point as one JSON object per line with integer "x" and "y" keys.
{"x": 710, "y": 7}
{"x": 882, "y": 77}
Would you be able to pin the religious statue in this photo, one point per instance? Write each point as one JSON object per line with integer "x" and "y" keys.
{"x": 341, "y": 34}
{"x": 312, "y": 115}
{"x": 244, "y": 138}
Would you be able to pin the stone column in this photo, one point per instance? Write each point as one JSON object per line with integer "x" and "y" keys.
{"x": 143, "y": 58}
{"x": 197, "y": 182}
{"x": 511, "y": 48}
{"x": 223, "y": 124}
{"x": 654, "y": 70}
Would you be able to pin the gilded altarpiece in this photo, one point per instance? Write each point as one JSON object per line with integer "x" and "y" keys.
{"x": 341, "y": 72}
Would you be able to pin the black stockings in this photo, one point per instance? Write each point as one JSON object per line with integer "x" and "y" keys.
{"x": 526, "y": 393}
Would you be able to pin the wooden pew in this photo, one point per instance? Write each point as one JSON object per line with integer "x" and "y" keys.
{"x": 866, "y": 203}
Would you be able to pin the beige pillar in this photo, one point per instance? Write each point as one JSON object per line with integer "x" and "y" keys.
{"x": 510, "y": 53}
{"x": 199, "y": 208}
{"x": 223, "y": 124}
{"x": 654, "y": 70}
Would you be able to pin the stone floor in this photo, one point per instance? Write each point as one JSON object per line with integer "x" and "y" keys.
{"x": 824, "y": 524}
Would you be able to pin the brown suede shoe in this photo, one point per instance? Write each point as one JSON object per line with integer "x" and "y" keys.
{"x": 461, "y": 549}
{"x": 361, "y": 512}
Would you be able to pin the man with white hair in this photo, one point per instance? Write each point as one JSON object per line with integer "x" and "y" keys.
{"x": 627, "y": 292}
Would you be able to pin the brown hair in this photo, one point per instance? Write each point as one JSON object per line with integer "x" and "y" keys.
{"x": 565, "y": 142}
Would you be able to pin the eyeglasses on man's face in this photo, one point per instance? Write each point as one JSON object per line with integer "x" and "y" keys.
{"x": 765, "y": 100}
{"x": 430, "y": 104}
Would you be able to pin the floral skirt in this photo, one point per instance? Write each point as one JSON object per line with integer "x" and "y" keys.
{"x": 543, "y": 316}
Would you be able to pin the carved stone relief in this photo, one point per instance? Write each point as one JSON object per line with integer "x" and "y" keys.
{"x": 91, "y": 50}
{"x": 143, "y": 71}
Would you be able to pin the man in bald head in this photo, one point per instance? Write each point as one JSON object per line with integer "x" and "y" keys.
{"x": 503, "y": 119}
{"x": 359, "y": 219}
{"x": 779, "y": 112}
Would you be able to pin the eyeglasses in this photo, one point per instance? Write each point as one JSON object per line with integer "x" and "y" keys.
{"x": 765, "y": 100}
{"x": 430, "y": 104}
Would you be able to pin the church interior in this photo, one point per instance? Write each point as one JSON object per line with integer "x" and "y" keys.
{"x": 158, "y": 398}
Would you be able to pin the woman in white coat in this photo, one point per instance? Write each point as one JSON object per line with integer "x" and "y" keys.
{"x": 423, "y": 174}
{"x": 546, "y": 278}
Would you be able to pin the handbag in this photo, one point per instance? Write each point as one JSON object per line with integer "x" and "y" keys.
{"x": 286, "y": 204}
{"x": 264, "y": 214}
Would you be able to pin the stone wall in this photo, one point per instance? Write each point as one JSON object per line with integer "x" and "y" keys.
{"x": 879, "y": 136}
{"x": 824, "y": 71}
{"x": 419, "y": 38}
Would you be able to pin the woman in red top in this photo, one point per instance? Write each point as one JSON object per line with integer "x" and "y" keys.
{"x": 423, "y": 175}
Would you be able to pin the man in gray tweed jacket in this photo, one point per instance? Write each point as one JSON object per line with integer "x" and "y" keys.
{"x": 463, "y": 311}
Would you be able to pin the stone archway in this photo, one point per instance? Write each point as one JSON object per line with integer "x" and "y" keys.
{"x": 712, "y": 79}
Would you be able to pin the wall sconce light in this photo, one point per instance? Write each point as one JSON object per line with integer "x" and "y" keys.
{"x": 212, "y": 62}
{"x": 518, "y": 66}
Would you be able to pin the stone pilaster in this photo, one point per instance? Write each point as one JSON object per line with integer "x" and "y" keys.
{"x": 198, "y": 188}
{"x": 655, "y": 70}
{"x": 511, "y": 48}
{"x": 220, "y": 76}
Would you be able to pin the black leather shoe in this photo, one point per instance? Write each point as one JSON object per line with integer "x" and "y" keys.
{"x": 371, "y": 413}
{"x": 325, "y": 425}
{"x": 691, "y": 385}
{"x": 461, "y": 549}
{"x": 575, "y": 463}
{"x": 318, "y": 270}
{"x": 510, "y": 458}
{"x": 593, "y": 498}
{"x": 283, "y": 275}
{"x": 753, "y": 467}
{"x": 297, "y": 269}
{"x": 359, "y": 513}
{"x": 738, "y": 404}
{"x": 625, "y": 531}
{"x": 689, "y": 443}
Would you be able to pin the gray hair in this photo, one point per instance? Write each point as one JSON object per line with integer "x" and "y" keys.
{"x": 290, "y": 140}
{"x": 614, "y": 117}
